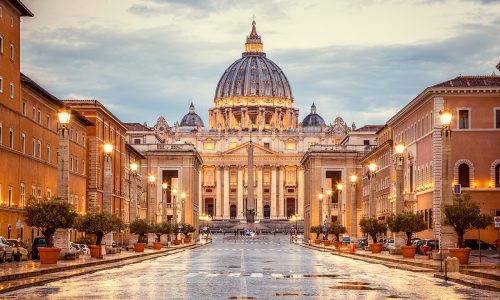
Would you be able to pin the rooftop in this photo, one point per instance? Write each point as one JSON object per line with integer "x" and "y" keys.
{"x": 471, "y": 81}
{"x": 137, "y": 127}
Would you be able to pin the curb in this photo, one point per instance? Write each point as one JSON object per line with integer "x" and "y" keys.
{"x": 468, "y": 283}
{"x": 106, "y": 265}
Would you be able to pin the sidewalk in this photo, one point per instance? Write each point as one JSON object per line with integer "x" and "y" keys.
{"x": 484, "y": 275}
{"x": 18, "y": 275}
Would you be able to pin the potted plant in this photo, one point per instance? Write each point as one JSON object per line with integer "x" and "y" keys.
{"x": 409, "y": 223}
{"x": 175, "y": 230}
{"x": 372, "y": 227}
{"x": 49, "y": 214}
{"x": 336, "y": 229}
{"x": 188, "y": 230}
{"x": 141, "y": 228}
{"x": 159, "y": 229}
{"x": 317, "y": 230}
{"x": 464, "y": 215}
{"x": 99, "y": 224}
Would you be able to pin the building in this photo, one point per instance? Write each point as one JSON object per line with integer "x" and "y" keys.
{"x": 474, "y": 102}
{"x": 253, "y": 101}
{"x": 29, "y": 138}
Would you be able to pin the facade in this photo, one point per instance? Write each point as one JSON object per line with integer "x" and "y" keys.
{"x": 253, "y": 101}
{"x": 474, "y": 160}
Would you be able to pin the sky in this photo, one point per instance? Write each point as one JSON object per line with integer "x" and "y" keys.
{"x": 362, "y": 60}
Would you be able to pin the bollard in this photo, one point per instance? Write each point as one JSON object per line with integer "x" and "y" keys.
{"x": 452, "y": 265}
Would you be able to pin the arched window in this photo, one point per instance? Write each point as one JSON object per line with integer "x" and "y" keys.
{"x": 267, "y": 212}
{"x": 464, "y": 175}
{"x": 497, "y": 175}
{"x": 233, "y": 212}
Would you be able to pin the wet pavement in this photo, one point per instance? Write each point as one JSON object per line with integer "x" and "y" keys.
{"x": 270, "y": 268}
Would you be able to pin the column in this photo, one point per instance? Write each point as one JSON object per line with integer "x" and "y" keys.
{"x": 273, "y": 192}
{"x": 259, "y": 193}
{"x": 300, "y": 179}
{"x": 61, "y": 236}
{"x": 447, "y": 237}
{"x": 107, "y": 186}
{"x": 372, "y": 207}
{"x": 218, "y": 196}
{"x": 200, "y": 197}
{"x": 354, "y": 222}
{"x": 399, "y": 237}
{"x": 240, "y": 208}
{"x": 281, "y": 201}
{"x": 226, "y": 193}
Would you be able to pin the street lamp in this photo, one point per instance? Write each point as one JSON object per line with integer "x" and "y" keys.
{"x": 133, "y": 168}
{"x": 183, "y": 199}
{"x": 174, "y": 193}
{"x": 445, "y": 116}
{"x": 339, "y": 202}
{"x": 63, "y": 116}
{"x": 108, "y": 149}
{"x": 151, "y": 208}
{"x": 354, "y": 229}
{"x": 62, "y": 237}
{"x": 329, "y": 204}
{"x": 320, "y": 198}
{"x": 295, "y": 218}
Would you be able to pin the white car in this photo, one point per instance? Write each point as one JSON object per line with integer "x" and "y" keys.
{"x": 391, "y": 245}
{"x": 6, "y": 251}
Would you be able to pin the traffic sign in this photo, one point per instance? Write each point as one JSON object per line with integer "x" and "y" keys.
{"x": 497, "y": 222}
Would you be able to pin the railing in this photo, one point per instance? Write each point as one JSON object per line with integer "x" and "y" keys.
{"x": 342, "y": 148}
{"x": 168, "y": 147}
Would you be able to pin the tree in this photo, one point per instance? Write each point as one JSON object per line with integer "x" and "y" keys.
{"x": 99, "y": 223}
{"x": 161, "y": 228}
{"x": 188, "y": 229}
{"x": 372, "y": 227}
{"x": 336, "y": 229}
{"x": 49, "y": 214}
{"x": 464, "y": 215}
{"x": 141, "y": 228}
{"x": 407, "y": 222}
{"x": 315, "y": 229}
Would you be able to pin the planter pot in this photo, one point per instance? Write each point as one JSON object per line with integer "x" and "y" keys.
{"x": 139, "y": 247}
{"x": 157, "y": 245}
{"x": 326, "y": 242}
{"x": 187, "y": 240}
{"x": 95, "y": 251}
{"x": 408, "y": 251}
{"x": 48, "y": 256}
{"x": 376, "y": 248}
{"x": 177, "y": 242}
{"x": 317, "y": 241}
{"x": 461, "y": 253}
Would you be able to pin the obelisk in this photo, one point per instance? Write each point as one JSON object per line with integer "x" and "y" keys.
{"x": 250, "y": 211}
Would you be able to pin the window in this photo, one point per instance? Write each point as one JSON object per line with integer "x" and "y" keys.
{"x": 1, "y": 42}
{"x": 76, "y": 165}
{"x": 12, "y": 90}
{"x": 48, "y": 152}
{"x": 39, "y": 193}
{"x": 11, "y": 138}
{"x": 83, "y": 167}
{"x": 83, "y": 140}
{"x": 71, "y": 163}
{"x": 463, "y": 175}
{"x": 137, "y": 141}
{"x": 24, "y": 108}
{"x": 497, "y": 118}
{"x": 267, "y": 145}
{"x": 463, "y": 119}
{"x": 33, "y": 191}
{"x": 39, "y": 117}
{"x": 1, "y": 84}
{"x": 33, "y": 112}
{"x": 76, "y": 136}
{"x": 497, "y": 175}
{"x": 39, "y": 150}
{"x": 23, "y": 143}
{"x": 23, "y": 194}
{"x": 49, "y": 193}
{"x": 47, "y": 121}
{"x": 33, "y": 148}
{"x": 366, "y": 142}
{"x": 12, "y": 49}
{"x": 233, "y": 145}
{"x": 10, "y": 196}
{"x": 0, "y": 133}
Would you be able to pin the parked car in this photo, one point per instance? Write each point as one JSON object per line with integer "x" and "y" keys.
{"x": 390, "y": 244}
{"x": 346, "y": 240}
{"x": 20, "y": 250}
{"x": 418, "y": 243}
{"x": 84, "y": 249}
{"x": 37, "y": 242}
{"x": 362, "y": 242}
{"x": 429, "y": 245}
{"x": 6, "y": 251}
{"x": 496, "y": 244}
{"x": 249, "y": 232}
{"x": 474, "y": 244}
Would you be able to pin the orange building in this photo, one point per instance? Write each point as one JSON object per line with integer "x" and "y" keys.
{"x": 475, "y": 142}
{"x": 29, "y": 137}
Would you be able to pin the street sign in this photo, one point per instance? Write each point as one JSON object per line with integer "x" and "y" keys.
{"x": 497, "y": 222}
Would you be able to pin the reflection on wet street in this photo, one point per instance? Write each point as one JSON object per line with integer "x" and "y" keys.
{"x": 252, "y": 269}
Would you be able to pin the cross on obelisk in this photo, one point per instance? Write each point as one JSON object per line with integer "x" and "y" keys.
{"x": 250, "y": 209}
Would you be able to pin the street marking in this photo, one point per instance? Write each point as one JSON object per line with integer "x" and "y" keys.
{"x": 213, "y": 274}
{"x": 277, "y": 275}
{"x": 234, "y": 274}
{"x": 297, "y": 276}
{"x": 190, "y": 275}
{"x": 256, "y": 275}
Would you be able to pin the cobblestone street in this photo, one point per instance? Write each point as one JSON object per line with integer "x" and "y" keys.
{"x": 252, "y": 269}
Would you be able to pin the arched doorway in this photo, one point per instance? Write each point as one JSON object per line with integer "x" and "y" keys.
{"x": 209, "y": 206}
{"x": 267, "y": 212}
{"x": 233, "y": 211}
{"x": 464, "y": 175}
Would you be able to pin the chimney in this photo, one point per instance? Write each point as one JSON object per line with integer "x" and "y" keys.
{"x": 498, "y": 66}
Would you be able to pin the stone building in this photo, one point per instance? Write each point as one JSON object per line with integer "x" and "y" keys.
{"x": 253, "y": 101}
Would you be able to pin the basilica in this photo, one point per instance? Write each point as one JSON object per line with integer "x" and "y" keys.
{"x": 254, "y": 102}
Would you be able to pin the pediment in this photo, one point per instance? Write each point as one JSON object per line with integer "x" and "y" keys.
{"x": 242, "y": 150}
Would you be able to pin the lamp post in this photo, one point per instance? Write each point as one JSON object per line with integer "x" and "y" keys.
{"x": 151, "y": 205}
{"x": 132, "y": 200}
{"x": 107, "y": 195}
{"x": 174, "y": 195}
{"x": 183, "y": 199}
{"x": 295, "y": 218}
{"x": 164, "y": 187}
{"x": 371, "y": 201}
{"x": 354, "y": 228}
{"x": 399, "y": 149}
{"x": 328, "y": 205}
{"x": 445, "y": 232}
{"x": 62, "y": 236}
{"x": 339, "y": 202}
{"x": 320, "y": 198}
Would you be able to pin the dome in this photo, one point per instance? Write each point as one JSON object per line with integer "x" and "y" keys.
{"x": 191, "y": 119}
{"x": 253, "y": 75}
{"x": 313, "y": 119}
